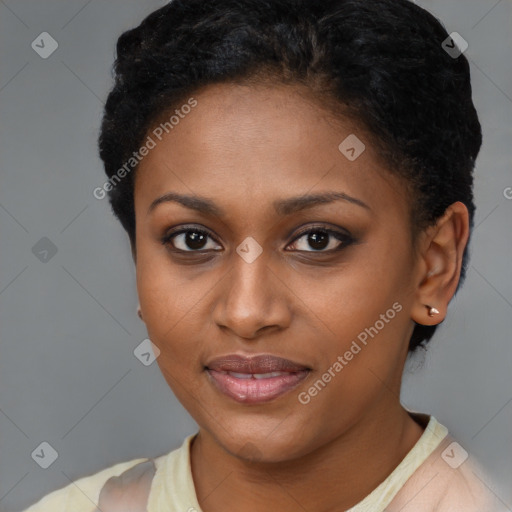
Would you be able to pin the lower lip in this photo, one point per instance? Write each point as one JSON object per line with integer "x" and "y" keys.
{"x": 255, "y": 391}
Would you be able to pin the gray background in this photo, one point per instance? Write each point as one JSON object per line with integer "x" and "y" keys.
{"x": 68, "y": 325}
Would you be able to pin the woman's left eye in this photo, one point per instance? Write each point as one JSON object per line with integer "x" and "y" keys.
{"x": 321, "y": 240}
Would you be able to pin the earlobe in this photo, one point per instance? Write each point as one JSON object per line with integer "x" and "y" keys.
{"x": 425, "y": 314}
{"x": 139, "y": 313}
{"x": 440, "y": 263}
{"x": 432, "y": 311}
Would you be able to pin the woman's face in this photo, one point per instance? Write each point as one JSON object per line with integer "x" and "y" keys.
{"x": 327, "y": 285}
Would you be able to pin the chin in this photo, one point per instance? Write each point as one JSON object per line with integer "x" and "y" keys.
{"x": 263, "y": 444}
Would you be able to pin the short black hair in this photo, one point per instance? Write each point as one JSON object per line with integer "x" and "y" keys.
{"x": 381, "y": 61}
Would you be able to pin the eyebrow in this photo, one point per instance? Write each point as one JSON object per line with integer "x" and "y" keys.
{"x": 282, "y": 207}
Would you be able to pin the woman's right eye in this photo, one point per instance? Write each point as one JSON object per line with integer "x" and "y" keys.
{"x": 190, "y": 240}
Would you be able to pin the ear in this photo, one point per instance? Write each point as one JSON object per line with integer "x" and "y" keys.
{"x": 440, "y": 260}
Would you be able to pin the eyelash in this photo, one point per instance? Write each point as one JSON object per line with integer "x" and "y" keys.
{"x": 344, "y": 238}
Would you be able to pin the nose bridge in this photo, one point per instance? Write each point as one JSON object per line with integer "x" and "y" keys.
{"x": 251, "y": 276}
{"x": 251, "y": 299}
{"x": 249, "y": 289}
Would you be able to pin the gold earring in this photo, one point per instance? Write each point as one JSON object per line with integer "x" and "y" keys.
{"x": 432, "y": 311}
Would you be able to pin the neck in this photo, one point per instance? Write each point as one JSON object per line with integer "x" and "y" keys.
{"x": 334, "y": 477}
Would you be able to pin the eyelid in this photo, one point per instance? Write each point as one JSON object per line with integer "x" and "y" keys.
{"x": 321, "y": 227}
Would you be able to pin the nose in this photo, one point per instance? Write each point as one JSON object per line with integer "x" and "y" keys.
{"x": 252, "y": 300}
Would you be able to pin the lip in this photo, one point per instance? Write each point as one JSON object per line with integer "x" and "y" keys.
{"x": 255, "y": 379}
{"x": 263, "y": 363}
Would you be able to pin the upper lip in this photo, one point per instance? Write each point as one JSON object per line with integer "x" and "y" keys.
{"x": 264, "y": 363}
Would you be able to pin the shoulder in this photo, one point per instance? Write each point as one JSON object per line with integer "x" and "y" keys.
{"x": 463, "y": 487}
{"x": 447, "y": 481}
{"x": 82, "y": 495}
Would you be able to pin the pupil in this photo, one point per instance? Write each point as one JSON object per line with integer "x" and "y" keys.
{"x": 318, "y": 240}
{"x": 195, "y": 240}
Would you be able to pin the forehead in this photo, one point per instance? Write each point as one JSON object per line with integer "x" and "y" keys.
{"x": 255, "y": 144}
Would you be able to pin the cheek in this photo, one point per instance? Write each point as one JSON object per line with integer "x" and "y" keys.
{"x": 353, "y": 297}
{"x": 363, "y": 312}
{"x": 171, "y": 321}
{"x": 168, "y": 303}
{"x": 165, "y": 294}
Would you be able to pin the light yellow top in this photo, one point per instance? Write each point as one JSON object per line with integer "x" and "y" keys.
{"x": 433, "y": 477}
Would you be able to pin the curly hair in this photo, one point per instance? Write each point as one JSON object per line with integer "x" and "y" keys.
{"x": 380, "y": 62}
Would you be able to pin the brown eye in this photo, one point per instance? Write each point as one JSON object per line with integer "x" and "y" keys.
{"x": 191, "y": 240}
{"x": 320, "y": 240}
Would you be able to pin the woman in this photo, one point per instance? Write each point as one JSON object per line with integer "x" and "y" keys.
{"x": 295, "y": 178}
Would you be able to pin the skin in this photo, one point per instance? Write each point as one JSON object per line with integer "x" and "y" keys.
{"x": 244, "y": 147}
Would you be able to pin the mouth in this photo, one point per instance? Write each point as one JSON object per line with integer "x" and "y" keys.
{"x": 257, "y": 379}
